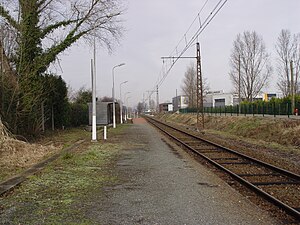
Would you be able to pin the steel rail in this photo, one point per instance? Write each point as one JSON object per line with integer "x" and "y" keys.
{"x": 270, "y": 166}
{"x": 259, "y": 191}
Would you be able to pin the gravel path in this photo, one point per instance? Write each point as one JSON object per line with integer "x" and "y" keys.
{"x": 160, "y": 185}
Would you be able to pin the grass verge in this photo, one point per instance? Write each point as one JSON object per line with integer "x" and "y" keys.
{"x": 16, "y": 156}
{"x": 57, "y": 194}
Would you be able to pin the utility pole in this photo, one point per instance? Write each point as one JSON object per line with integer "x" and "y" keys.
{"x": 94, "y": 104}
{"x": 149, "y": 99}
{"x": 157, "y": 99}
{"x": 199, "y": 83}
{"x": 199, "y": 87}
{"x": 94, "y": 117}
{"x": 239, "y": 84}
{"x": 113, "y": 93}
{"x": 292, "y": 88}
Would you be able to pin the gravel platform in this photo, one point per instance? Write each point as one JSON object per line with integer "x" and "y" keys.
{"x": 162, "y": 185}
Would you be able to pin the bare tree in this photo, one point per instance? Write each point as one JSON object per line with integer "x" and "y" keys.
{"x": 189, "y": 85}
{"x": 288, "y": 49}
{"x": 106, "y": 99}
{"x": 152, "y": 105}
{"x": 140, "y": 107}
{"x": 255, "y": 68}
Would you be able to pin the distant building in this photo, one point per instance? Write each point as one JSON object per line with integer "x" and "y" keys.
{"x": 166, "y": 107}
{"x": 220, "y": 99}
{"x": 180, "y": 102}
{"x": 269, "y": 96}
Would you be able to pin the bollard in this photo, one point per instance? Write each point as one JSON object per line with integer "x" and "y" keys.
{"x": 104, "y": 133}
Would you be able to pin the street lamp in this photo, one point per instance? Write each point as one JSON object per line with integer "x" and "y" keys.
{"x": 114, "y": 105}
{"x": 127, "y": 106}
{"x": 125, "y": 114}
{"x": 121, "y": 107}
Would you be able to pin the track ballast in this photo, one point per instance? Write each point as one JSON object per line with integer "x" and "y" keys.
{"x": 278, "y": 186}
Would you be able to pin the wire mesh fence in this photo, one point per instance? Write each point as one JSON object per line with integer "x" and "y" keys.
{"x": 256, "y": 108}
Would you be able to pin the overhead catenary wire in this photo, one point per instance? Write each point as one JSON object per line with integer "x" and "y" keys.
{"x": 184, "y": 36}
{"x": 176, "y": 54}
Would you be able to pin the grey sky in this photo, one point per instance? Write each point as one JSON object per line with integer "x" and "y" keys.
{"x": 154, "y": 27}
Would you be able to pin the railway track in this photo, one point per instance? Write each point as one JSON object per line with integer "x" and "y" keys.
{"x": 278, "y": 186}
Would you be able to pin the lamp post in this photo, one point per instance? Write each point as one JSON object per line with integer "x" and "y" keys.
{"x": 121, "y": 107}
{"x": 125, "y": 114}
{"x": 127, "y": 106}
{"x": 113, "y": 97}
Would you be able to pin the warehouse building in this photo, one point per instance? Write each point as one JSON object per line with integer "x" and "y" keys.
{"x": 220, "y": 99}
{"x": 180, "y": 102}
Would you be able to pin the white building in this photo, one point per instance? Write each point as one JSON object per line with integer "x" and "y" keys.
{"x": 166, "y": 107}
{"x": 220, "y": 99}
{"x": 180, "y": 102}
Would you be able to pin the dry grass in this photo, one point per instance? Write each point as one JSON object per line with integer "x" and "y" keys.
{"x": 16, "y": 155}
{"x": 281, "y": 131}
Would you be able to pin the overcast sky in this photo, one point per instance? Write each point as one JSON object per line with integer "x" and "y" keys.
{"x": 154, "y": 28}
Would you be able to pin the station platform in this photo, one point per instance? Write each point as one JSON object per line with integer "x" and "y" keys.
{"x": 160, "y": 184}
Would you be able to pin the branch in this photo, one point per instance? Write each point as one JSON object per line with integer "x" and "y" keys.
{"x": 45, "y": 6}
{"x": 52, "y": 27}
{"x": 48, "y": 57}
{"x": 5, "y": 14}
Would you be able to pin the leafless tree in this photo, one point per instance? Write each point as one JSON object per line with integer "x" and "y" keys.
{"x": 255, "y": 68}
{"x": 106, "y": 99}
{"x": 152, "y": 105}
{"x": 288, "y": 49}
{"x": 189, "y": 85}
{"x": 140, "y": 107}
